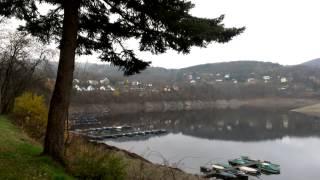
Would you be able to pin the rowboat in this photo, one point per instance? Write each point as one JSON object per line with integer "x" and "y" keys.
{"x": 263, "y": 166}
{"x": 217, "y": 167}
{"x": 240, "y": 161}
{"x": 232, "y": 170}
{"x": 269, "y": 168}
{"x": 248, "y": 170}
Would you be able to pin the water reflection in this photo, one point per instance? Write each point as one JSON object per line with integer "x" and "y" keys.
{"x": 286, "y": 138}
{"x": 234, "y": 125}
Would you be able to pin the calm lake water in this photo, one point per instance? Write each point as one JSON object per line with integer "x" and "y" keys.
{"x": 199, "y": 137}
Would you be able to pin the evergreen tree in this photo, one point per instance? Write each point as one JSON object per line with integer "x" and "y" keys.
{"x": 87, "y": 26}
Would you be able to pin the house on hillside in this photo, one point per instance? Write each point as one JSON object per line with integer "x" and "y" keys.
{"x": 135, "y": 83}
{"x": 266, "y": 79}
{"x": 175, "y": 88}
{"x": 283, "y": 88}
{"x": 235, "y": 81}
{"x": 283, "y": 80}
{"x": 90, "y": 88}
{"x": 102, "y": 88}
{"x": 76, "y": 81}
{"x": 251, "y": 80}
{"x": 93, "y": 82}
{"x": 105, "y": 81}
{"x": 167, "y": 89}
{"x": 111, "y": 88}
{"x": 77, "y": 87}
{"x": 193, "y": 82}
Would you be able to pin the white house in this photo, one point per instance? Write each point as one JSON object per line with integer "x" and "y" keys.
{"x": 102, "y": 88}
{"x": 167, "y": 89}
{"x": 175, "y": 88}
{"x": 227, "y": 76}
{"x": 76, "y": 81}
{"x": 93, "y": 82}
{"x": 266, "y": 79}
{"x": 105, "y": 81}
{"x": 90, "y": 88}
{"x": 135, "y": 83}
{"x": 251, "y": 80}
{"x": 111, "y": 88}
{"x": 77, "y": 87}
{"x": 283, "y": 80}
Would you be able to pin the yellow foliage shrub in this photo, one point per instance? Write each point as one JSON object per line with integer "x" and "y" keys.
{"x": 116, "y": 92}
{"x": 31, "y": 113}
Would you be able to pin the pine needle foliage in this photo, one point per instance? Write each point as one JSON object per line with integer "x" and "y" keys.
{"x": 105, "y": 25}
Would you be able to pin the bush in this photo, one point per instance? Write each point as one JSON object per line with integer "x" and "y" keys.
{"x": 31, "y": 113}
{"x": 88, "y": 161}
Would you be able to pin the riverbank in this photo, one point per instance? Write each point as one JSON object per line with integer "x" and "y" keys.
{"x": 138, "y": 168}
{"x": 19, "y": 156}
{"x": 167, "y": 106}
{"x": 312, "y": 110}
{"x": 20, "y": 159}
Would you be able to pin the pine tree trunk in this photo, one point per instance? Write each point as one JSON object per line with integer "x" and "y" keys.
{"x": 60, "y": 100}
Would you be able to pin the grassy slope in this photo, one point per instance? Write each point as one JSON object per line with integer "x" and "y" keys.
{"x": 19, "y": 156}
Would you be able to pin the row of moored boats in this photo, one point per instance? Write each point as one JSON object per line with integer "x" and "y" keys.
{"x": 240, "y": 168}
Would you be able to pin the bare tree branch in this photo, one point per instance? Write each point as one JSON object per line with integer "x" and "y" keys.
{"x": 18, "y": 65}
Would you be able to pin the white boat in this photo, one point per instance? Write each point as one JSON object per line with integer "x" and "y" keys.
{"x": 248, "y": 170}
{"x": 214, "y": 166}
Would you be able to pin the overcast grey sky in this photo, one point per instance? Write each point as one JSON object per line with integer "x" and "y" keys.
{"x": 283, "y": 31}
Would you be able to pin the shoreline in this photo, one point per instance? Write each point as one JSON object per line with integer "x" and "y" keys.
{"x": 171, "y": 106}
{"x": 311, "y": 110}
{"x": 143, "y": 168}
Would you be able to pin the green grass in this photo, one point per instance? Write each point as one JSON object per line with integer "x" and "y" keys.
{"x": 20, "y": 159}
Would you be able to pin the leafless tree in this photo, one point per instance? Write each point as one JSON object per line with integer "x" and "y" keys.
{"x": 19, "y": 59}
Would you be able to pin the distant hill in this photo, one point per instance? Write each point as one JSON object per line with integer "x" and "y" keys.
{"x": 241, "y": 70}
{"x": 315, "y": 63}
{"x": 234, "y": 67}
{"x": 227, "y": 80}
{"x": 301, "y": 75}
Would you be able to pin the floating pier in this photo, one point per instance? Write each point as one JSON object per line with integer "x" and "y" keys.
{"x": 103, "y": 133}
